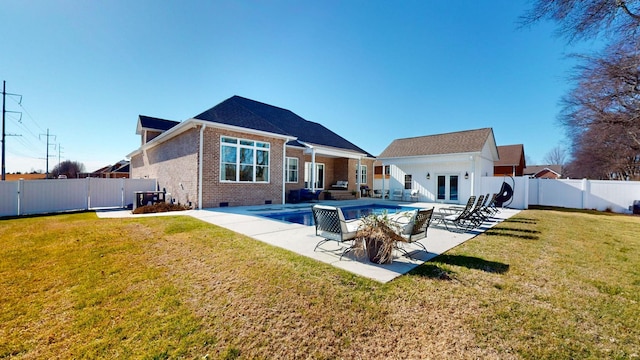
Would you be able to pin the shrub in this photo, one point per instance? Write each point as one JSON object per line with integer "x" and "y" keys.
{"x": 160, "y": 207}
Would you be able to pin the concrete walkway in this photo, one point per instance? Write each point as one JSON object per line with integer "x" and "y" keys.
{"x": 301, "y": 239}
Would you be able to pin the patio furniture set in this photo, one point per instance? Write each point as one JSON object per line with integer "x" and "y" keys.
{"x": 407, "y": 227}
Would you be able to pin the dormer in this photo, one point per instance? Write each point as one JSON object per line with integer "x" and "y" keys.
{"x": 150, "y": 127}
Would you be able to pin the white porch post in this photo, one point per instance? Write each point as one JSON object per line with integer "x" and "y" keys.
{"x": 313, "y": 169}
{"x": 358, "y": 170}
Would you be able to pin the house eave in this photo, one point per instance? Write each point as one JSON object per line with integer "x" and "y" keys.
{"x": 193, "y": 123}
{"x": 334, "y": 152}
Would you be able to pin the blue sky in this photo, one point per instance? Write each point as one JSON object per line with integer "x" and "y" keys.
{"x": 372, "y": 71}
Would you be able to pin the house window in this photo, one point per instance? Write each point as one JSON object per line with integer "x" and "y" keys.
{"x": 292, "y": 169}
{"x": 407, "y": 182}
{"x": 363, "y": 174}
{"x": 243, "y": 160}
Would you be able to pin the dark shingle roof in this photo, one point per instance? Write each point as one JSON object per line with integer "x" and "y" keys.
{"x": 510, "y": 155}
{"x": 148, "y": 122}
{"x": 449, "y": 143}
{"x": 251, "y": 114}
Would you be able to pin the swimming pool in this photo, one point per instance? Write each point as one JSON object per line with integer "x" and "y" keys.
{"x": 305, "y": 217}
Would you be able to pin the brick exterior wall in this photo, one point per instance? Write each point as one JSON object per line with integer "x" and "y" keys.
{"x": 174, "y": 163}
{"x": 216, "y": 192}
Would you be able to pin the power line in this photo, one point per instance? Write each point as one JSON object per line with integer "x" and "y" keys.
{"x": 48, "y": 145}
{"x": 4, "y": 111}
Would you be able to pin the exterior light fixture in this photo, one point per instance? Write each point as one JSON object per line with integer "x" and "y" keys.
{"x": 428, "y": 176}
{"x": 466, "y": 175}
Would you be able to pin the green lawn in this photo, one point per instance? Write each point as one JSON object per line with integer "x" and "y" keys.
{"x": 543, "y": 284}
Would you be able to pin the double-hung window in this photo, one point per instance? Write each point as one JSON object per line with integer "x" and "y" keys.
{"x": 292, "y": 169}
{"x": 243, "y": 160}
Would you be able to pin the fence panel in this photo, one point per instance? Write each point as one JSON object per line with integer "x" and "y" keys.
{"x": 562, "y": 193}
{"x": 45, "y": 196}
{"x": 8, "y": 198}
{"x": 105, "y": 193}
{"x": 615, "y": 195}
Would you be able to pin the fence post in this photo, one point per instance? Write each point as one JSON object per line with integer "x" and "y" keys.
{"x": 122, "y": 185}
{"x": 20, "y": 185}
{"x": 526, "y": 192}
{"x": 586, "y": 192}
{"x": 88, "y": 187}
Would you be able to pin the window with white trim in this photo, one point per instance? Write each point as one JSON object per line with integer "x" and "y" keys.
{"x": 362, "y": 174}
{"x": 243, "y": 160}
{"x": 292, "y": 169}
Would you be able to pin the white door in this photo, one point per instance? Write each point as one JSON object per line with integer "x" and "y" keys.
{"x": 447, "y": 187}
{"x": 319, "y": 176}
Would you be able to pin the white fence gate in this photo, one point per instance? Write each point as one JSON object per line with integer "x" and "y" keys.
{"x": 47, "y": 196}
{"x": 617, "y": 196}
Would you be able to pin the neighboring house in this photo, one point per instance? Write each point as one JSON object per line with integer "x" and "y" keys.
{"x": 438, "y": 168}
{"x": 244, "y": 152}
{"x": 119, "y": 170}
{"x": 16, "y": 177}
{"x": 544, "y": 171}
{"x": 511, "y": 161}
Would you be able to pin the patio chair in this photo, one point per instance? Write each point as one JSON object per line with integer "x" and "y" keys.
{"x": 397, "y": 194}
{"x": 331, "y": 226}
{"x": 414, "y": 196}
{"x": 413, "y": 228}
{"x": 461, "y": 219}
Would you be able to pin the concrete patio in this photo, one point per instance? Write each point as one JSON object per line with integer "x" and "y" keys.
{"x": 301, "y": 239}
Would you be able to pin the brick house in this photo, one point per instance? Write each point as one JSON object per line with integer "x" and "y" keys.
{"x": 511, "y": 162}
{"x": 544, "y": 171}
{"x": 244, "y": 152}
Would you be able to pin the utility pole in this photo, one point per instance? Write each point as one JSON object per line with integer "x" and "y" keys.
{"x": 4, "y": 134}
{"x": 48, "y": 145}
{"x": 4, "y": 93}
{"x": 59, "y": 151}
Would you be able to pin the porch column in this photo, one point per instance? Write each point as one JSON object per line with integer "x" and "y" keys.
{"x": 313, "y": 169}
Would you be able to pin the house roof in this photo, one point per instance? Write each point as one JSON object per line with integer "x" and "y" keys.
{"x": 510, "y": 155}
{"x": 449, "y": 143}
{"x": 535, "y": 169}
{"x": 251, "y": 114}
{"x": 152, "y": 123}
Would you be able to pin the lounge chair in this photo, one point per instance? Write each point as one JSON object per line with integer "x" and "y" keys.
{"x": 461, "y": 219}
{"x": 413, "y": 228}
{"x": 331, "y": 225}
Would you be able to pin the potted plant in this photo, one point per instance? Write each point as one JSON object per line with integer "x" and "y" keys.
{"x": 378, "y": 236}
{"x": 354, "y": 193}
{"x": 327, "y": 195}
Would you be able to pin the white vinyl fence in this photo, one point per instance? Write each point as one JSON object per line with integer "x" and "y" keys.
{"x": 55, "y": 195}
{"x": 617, "y": 196}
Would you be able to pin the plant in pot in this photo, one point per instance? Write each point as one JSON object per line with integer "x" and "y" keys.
{"x": 378, "y": 235}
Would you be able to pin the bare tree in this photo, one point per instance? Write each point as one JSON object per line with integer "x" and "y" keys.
{"x": 585, "y": 19}
{"x": 556, "y": 156}
{"x": 70, "y": 169}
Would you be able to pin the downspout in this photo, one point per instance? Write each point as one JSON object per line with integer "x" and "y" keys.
{"x": 358, "y": 170}
{"x": 284, "y": 171}
{"x": 200, "y": 155}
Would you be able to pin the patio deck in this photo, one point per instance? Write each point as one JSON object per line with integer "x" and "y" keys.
{"x": 301, "y": 239}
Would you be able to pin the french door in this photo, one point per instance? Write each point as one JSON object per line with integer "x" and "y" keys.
{"x": 448, "y": 187}
{"x": 319, "y": 176}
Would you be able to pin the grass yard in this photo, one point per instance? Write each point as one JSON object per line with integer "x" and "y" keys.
{"x": 544, "y": 284}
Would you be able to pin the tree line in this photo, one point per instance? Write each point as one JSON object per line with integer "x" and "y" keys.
{"x": 601, "y": 112}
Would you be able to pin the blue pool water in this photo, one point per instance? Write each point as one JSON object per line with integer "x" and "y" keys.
{"x": 305, "y": 217}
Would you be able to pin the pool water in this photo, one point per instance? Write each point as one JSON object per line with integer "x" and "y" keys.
{"x": 305, "y": 217}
